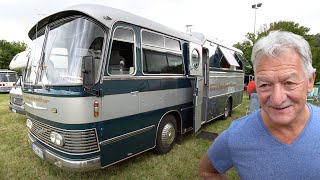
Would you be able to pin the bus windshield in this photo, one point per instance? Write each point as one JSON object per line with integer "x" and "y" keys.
{"x": 8, "y": 77}
{"x": 65, "y": 46}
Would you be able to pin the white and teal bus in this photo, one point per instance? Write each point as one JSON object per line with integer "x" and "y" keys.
{"x": 103, "y": 85}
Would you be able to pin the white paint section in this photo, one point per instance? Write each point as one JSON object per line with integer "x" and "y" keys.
{"x": 70, "y": 110}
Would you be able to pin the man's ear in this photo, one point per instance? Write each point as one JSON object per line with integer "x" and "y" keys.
{"x": 311, "y": 82}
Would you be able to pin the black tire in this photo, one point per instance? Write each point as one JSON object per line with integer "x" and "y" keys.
{"x": 227, "y": 110}
{"x": 166, "y": 135}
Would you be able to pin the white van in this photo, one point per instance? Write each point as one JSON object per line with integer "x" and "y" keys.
{"x": 7, "y": 80}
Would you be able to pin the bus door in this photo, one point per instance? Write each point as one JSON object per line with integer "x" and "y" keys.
{"x": 206, "y": 73}
{"x": 195, "y": 70}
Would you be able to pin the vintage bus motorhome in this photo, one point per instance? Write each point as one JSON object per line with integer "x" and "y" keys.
{"x": 103, "y": 85}
{"x": 19, "y": 62}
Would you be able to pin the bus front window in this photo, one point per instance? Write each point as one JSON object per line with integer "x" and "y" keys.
{"x": 34, "y": 60}
{"x": 66, "y": 45}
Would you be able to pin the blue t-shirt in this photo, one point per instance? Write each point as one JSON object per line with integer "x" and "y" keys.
{"x": 255, "y": 153}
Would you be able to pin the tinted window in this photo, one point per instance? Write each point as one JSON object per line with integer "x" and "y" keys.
{"x": 239, "y": 59}
{"x": 195, "y": 59}
{"x": 161, "y": 63}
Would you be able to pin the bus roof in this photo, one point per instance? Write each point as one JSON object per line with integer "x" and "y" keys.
{"x": 108, "y": 16}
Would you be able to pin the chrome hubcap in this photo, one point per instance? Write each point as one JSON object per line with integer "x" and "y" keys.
{"x": 168, "y": 135}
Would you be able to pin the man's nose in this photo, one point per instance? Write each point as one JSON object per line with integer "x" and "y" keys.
{"x": 278, "y": 94}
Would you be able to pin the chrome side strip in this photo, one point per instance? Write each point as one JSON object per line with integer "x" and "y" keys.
{"x": 225, "y": 94}
{"x": 127, "y": 135}
{"x": 34, "y": 106}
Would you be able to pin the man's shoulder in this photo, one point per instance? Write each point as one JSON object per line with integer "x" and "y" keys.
{"x": 246, "y": 121}
{"x": 313, "y": 107}
{"x": 245, "y": 126}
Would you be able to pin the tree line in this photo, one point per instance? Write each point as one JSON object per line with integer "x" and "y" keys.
{"x": 8, "y": 50}
{"x": 314, "y": 41}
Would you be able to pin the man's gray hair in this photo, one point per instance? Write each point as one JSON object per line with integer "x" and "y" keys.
{"x": 281, "y": 41}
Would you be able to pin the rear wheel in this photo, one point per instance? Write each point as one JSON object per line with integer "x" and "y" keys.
{"x": 227, "y": 110}
{"x": 166, "y": 134}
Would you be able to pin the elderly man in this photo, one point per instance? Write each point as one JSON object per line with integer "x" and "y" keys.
{"x": 281, "y": 140}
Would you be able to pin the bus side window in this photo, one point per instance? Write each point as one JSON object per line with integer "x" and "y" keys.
{"x": 121, "y": 59}
{"x": 216, "y": 59}
{"x": 238, "y": 57}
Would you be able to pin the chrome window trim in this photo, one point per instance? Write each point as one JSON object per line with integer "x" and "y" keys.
{"x": 134, "y": 50}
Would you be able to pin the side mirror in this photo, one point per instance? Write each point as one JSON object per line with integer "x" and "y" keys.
{"x": 88, "y": 71}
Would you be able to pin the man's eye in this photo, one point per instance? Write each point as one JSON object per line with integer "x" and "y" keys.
{"x": 264, "y": 85}
{"x": 289, "y": 83}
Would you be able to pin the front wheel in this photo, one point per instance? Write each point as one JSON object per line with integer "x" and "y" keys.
{"x": 227, "y": 110}
{"x": 166, "y": 134}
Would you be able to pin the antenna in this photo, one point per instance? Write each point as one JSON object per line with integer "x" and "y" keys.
{"x": 188, "y": 26}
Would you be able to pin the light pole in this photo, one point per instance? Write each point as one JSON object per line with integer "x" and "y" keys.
{"x": 255, "y": 7}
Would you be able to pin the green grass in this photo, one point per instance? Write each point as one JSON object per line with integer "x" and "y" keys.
{"x": 17, "y": 161}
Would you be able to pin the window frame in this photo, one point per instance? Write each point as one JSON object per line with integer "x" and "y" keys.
{"x": 166, "y": 54}
{"x": 166, "y": 51}
{"x": 130, "y": 28}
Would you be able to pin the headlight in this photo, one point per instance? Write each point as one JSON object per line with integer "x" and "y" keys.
{"x": 29, "y": 124}
{"x": 57, "y": 138}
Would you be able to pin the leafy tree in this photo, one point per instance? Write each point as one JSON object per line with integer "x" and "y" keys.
{"x": 317, "y": 37}
{"x": 314, "y": 41}
{"x": 8, "y": 50}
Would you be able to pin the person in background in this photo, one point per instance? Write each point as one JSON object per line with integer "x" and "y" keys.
{"x": 251, "y": 88}
{"x": 280, "y": 140}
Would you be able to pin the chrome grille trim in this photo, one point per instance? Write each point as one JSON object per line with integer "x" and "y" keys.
{"x": 76, "y": 141}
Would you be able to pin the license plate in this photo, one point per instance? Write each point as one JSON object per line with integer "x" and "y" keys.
{"x": 13, "y": 110}
{"x": 37, "y": 150}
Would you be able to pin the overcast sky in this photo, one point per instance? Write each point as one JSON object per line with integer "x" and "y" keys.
{"x": 227, "y": 20}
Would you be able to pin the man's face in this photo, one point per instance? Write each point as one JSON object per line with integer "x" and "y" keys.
{"x": 282, "y": 88}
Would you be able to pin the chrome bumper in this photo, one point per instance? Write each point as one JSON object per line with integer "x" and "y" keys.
{"x": 17, "y": 109}
{"x": 65, "y": 164}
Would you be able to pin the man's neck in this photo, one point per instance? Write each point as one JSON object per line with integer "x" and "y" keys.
{"x": 287, "y": 133}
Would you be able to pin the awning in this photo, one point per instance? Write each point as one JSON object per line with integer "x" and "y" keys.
{"x": 229, "y": 56}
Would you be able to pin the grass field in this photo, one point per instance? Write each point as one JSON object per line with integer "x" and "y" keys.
{"x": 17, "y": 161}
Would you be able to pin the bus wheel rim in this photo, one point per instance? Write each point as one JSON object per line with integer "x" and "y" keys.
{"x": 168, "y": 135}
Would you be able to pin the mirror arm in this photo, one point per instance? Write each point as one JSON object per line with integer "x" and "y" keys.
{"x": 95, "y": 92}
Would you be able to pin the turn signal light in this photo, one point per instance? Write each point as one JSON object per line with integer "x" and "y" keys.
{"x": 96, "y": 108}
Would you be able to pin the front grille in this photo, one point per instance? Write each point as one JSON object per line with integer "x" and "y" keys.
{"x": 76, "y": 141}
{"x": 16, "y": 101}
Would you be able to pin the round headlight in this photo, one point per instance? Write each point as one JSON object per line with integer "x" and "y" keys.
{"x": 57, "y": 138}
{"x": 53, "y": 137}
{"x": 29, "y": 123}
